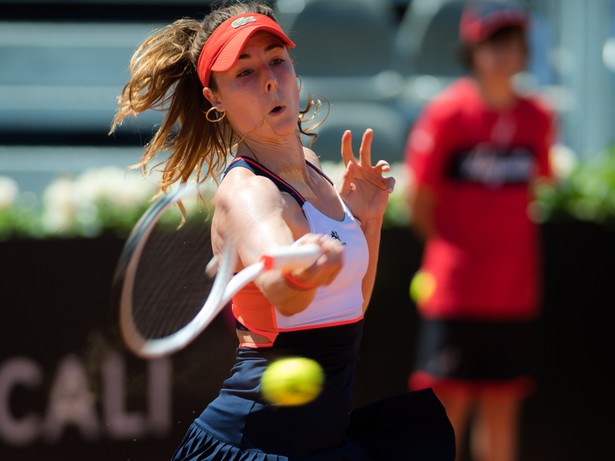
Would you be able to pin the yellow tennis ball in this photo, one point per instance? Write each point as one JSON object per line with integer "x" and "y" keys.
{"x": 422, "y": 286}
{"x": 292, "y": 381}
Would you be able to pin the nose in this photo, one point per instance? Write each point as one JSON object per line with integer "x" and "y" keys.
{"x": 270, "y": 82}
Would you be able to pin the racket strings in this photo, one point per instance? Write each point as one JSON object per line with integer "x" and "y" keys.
{"x": 171, "y": 283}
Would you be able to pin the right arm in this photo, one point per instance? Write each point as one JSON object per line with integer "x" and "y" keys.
{"x": 259, "y": 218}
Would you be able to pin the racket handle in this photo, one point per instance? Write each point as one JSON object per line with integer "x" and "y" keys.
{"x": 293, "y": 257}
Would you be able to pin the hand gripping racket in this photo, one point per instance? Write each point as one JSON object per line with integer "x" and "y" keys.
{"x": 170, "y": 284}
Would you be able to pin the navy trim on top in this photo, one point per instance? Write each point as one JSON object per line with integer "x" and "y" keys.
{"x": 261, "y": 170}
{"x": 320, "y": 172}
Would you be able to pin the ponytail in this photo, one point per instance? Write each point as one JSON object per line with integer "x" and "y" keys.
{"x": 163, "y": 78}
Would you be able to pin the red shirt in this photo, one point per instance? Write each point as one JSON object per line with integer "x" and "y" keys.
{"x": 479, "y": 163}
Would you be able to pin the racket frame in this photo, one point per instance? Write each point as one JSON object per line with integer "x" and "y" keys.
{"x": 224, "y": 287}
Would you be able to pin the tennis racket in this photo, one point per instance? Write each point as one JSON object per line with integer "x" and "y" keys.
{"x": 170, "y": 284}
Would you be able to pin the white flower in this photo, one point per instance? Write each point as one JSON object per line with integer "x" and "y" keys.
{"x": 9, "y": 191}
{"x": 563, "y": 160}
{"x": 59, "y": 206}
{"x": 115, "y": 186}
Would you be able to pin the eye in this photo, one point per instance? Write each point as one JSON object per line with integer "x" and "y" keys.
{"x": 244, "y": 73}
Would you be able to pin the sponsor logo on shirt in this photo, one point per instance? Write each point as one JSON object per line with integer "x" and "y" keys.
{"x": 493, "y": 166}
{"x": 336, "y": 236}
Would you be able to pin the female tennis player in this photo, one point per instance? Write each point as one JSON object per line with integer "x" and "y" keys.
{"x": 229, "y": 89}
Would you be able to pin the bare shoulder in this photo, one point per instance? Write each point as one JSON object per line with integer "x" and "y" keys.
{"x": 241, "y": 188}
{"x": 250, "y": 209}
{"x": 243, "y": 202}
{"x": 311, "y": 156}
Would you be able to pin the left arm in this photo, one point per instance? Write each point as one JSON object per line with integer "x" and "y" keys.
{"x": 366, "y": 191}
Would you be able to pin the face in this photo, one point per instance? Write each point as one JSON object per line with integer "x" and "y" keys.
{"x": 259, "y": 93}
{"x": 500, "y": 59}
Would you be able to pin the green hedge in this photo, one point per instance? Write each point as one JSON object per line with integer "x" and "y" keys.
{"x": 587, "y": 193}
{"x": 110, "y": 200}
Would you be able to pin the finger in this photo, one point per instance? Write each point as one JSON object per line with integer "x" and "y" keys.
{"x": 329, "y": 243}
{"x": 386, "y": 183}
{"x": 347, "y": 178}
{"x": 383, "y": 165}
{"x": 365, "y": 151}
{"x": 347, "y": 154}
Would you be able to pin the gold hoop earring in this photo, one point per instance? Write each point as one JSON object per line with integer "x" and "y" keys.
{"x": 214, "y": 120}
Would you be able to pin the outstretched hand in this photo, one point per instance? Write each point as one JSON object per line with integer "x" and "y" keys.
{"x": 364, "y": 188}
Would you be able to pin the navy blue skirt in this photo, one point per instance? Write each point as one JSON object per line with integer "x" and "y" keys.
{"x": 411, "y": 426}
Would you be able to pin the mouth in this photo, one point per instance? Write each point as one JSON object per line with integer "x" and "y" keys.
{"x": 277, "y": 110}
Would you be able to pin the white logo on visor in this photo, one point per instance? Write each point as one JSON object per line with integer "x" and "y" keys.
{"x": 242, "y": 21}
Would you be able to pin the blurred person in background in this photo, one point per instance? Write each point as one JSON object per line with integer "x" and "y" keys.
{"x": 472, "y": 158}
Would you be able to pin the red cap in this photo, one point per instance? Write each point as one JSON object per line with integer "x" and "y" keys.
{"x": 481, "y": 20}
{"x": 225, "y": 44}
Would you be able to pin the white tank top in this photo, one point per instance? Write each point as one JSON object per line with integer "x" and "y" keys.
{"x": 341, "y": 301}
{"x": 338, "y": 303}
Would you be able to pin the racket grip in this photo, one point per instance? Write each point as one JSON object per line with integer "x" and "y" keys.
{"x": 293, "y": 257}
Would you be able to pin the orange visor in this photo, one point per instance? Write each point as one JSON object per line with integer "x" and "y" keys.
{"x": 225, "y": 44}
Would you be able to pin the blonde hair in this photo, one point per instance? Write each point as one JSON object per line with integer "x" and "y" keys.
{"x": 163, "y": 77}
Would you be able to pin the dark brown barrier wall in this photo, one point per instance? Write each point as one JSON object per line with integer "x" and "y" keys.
{"x": 68, "y": 390}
